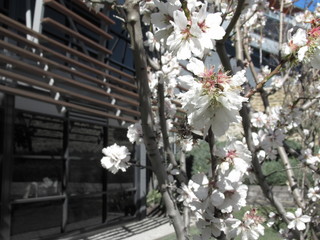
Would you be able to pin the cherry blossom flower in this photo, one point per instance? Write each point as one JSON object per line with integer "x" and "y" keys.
{"x": 214, "y": 101}
{"x": 209, "y": 24}
{"x": 186, "y": 144}
{"x": 309, "y": 158}
{"x": 272, "y": 219}
{"x": 116, "y": 158}
{"x": 298, "y": 221}
{"x": 234, "y": 156}
{"x": 209, "y": 226}
{"x": 134, "y": 133}
{"x": 185, "y": 38}
{"x": 146, "y": 8}
{"x": 314, "y": 193}
{"x": 251, "y": 228}
{"x": 187, "y": 196}
{"x": 295, "y": 41}
{"x": 258, "y": 119}
{"x": 151, "y": 42}
{"x": 231, "y": 191}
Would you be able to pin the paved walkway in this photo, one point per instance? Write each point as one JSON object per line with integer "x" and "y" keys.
{"x": 150, "y": 228}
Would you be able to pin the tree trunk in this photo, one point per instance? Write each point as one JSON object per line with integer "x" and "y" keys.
{"x": 140, "y": 60}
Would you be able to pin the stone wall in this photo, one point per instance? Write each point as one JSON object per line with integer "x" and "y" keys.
{"x": 255, "y": 196}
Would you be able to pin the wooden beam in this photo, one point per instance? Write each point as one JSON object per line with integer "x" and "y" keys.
{"x": 103, "y": 17}
{"x": 64, "y": 59}
{"x": 61, "y": 9}
{"x": 77, "y": 35}
{"x": 46, "y": 99}
{"x": 16, "y": 25}
{"x": 44, "y": 85}
{"x": 28, "y": 67}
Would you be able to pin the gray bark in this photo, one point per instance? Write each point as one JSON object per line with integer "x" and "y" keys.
{"x": 140, "y": 59}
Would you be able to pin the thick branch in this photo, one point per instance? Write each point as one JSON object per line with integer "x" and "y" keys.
{"x": 291, "y": 179}
{"x": 163, "y": 126}
{"x": 134, "y": 28}
{"x": 234, "y": 20}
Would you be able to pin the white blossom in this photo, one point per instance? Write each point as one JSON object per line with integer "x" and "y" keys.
{"x": 258, "y": 119}
{"x": 314, "y": 193}
{"x": 185, "y": 38}
{"x": 116, "y": 158}
{"x": 151, "y": 42}
{"x": 214, "y": 102}
{"x": 134, "y": 133}
{"x": 298, "y": 221}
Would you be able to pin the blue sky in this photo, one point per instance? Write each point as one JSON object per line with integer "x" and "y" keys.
{"x": 304, "y": 4}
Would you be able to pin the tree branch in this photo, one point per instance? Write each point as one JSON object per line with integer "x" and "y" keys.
{"x": 291, "y": 179}
{"x": 141, "y": 67}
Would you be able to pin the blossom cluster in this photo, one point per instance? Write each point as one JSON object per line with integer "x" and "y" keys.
{"x": 186, "y": 29}
{"x": 268, "y": 136}
{"x": 213, "y": 100}
{"x": 225, "y": 193}
{"x": 116, "y": 158}
{"x": 303, "y": 45}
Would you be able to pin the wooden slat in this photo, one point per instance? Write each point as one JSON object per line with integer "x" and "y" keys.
{"x": 61, "y": 9}
{"x": 103, "y": 17}
{"x": 62, "y": 103}
{"x": 76, "y": 34}
{"x": 27, "y": 80}
{"x": 35, "y": 57}
{"x": 24, "y": 29}
{"x": 74, "y": 62}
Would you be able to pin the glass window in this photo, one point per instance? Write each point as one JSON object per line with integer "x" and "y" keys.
{"x": 85, "y": 140}
{"x": 40, "y": 216}
{"x": 84, "y": 211}
{"x": 120, "y": 186}
{"x": 37, "y": 134}
{"x": 121, "y": 192}
{"x": 85, "y": 177}
{"x": 33, "y": 178}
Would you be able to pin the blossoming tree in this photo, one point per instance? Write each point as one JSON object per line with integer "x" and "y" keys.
{"x": 186, "y": 97}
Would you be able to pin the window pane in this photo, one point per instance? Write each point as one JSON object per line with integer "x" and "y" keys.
{"x": 36, "y": 178}
{"x": 85, "y": 177}
{"x": 28, "y": 217}
{"x": 120, "y": 198}
{"x": 85, "y": 145}
{"x": 37, "y": 134}
{"x": 86, "y": 140}
{"x": 84, "y": 211}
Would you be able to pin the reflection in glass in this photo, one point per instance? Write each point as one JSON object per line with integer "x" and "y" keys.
{"x": 85, "y": 140}
{"x": 37, "y": 134}
{"x": 120, "y": 198}
{"x": 34, "y": 178}
{"x": 85, "y": 177}
{"x": 84, "y": 211}
{"x": 30, "y": 217}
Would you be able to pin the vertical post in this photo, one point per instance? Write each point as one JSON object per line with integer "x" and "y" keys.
{"x": 140, "y": 182}
{"x": 37, "y": 17}
{"x": 105, "y": 181}
{"x": 6, "y": 163}
{"x": 28, "y": 18}
{"x": 65, "y": 172}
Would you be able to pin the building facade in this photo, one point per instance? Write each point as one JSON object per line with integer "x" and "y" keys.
{"x": 66, "y": 91}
